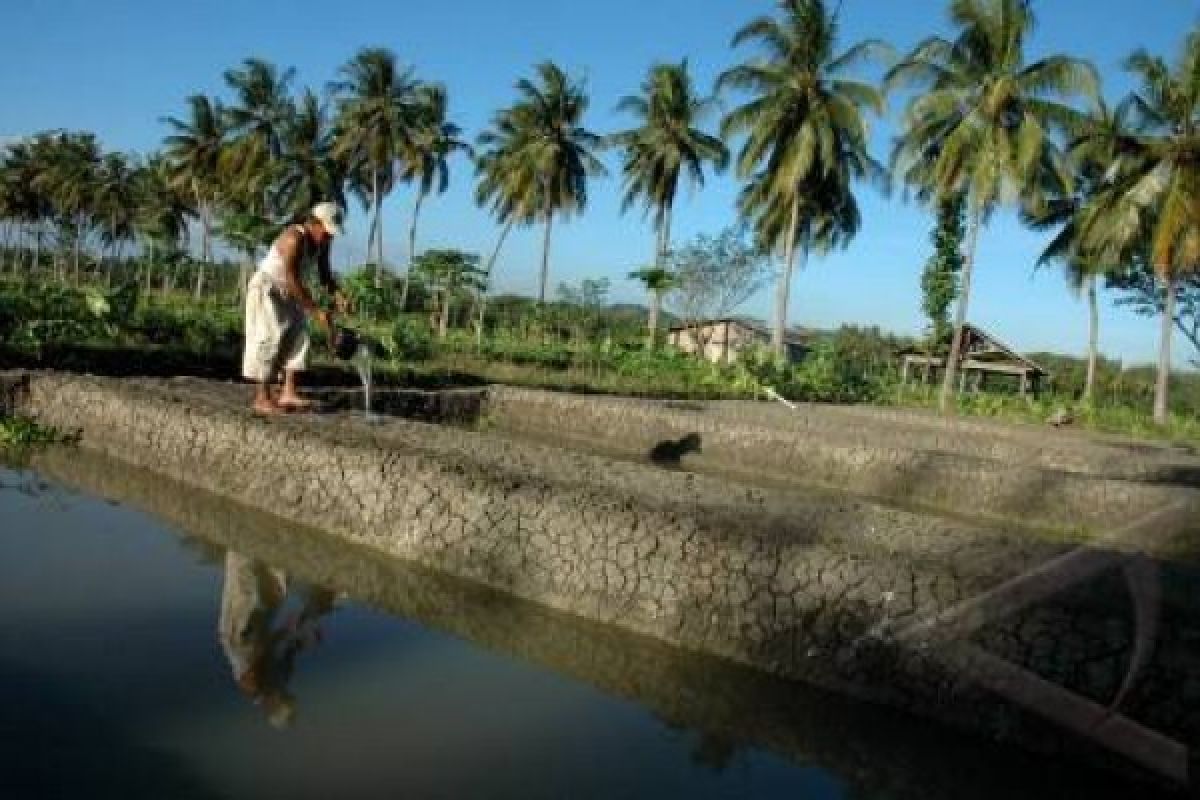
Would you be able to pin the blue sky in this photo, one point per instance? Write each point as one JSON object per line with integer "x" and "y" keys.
{"x": 119, "y": 67}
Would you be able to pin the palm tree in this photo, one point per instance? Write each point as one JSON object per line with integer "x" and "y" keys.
{"x": 160, "y": 219}
{"x": 258, "y": 122}
{"x": 1151, "y": 200}
{"x": 425, "y": 161}
{"x": 66, "y": 168}
{"x": 658, "y": 281}
{"x": 196, "y": 152}
{"x": 115, "y": 198}
{"x": 379, "y": 111}
{"x": 308, "y": 172}
{"x": 985, "y": 126}
{"x": 1102, "y": 135}
{"x": 805, "y": 128}
{"x": 551, "y": 155}
{"x": 664, "y": 144}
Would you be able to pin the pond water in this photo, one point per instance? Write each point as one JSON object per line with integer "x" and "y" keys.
{"x": 153, "y": 656}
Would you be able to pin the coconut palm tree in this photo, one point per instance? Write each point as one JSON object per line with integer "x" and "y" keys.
{"x": 1103, "y": 134}
{"x": 66, "y": 167}
{"x": 985, "y": 125}
{"x": 425, "y": 161}
{"x": 379, "y": 111}
{"x": 658, "y": 281}
{"x": 550, "y": 152}
{"x": 1151, "y": 200}
{"x": 115, "y": 203}
{"x": 258, "y": 122}
{"x": 308, "y": 172}
{"x": 196, "y": 153}
{"x": 804, "y": 125}
{"x": 666, "y": 142}
{"x": 160, "y": 219}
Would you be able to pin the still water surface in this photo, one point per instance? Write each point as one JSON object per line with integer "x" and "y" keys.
{"x": 138, "y": 659}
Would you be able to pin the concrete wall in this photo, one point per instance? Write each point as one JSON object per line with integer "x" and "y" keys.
{"x": 797, "y": 583}
{"x": 1039, "y": 480}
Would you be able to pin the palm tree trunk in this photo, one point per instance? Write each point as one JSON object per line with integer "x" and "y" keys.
{"x": 378, "y": 199}
{"x": 960, "y": 314}
{"x": 1163, "y": 384}
{"x": 487, "y": 280}
{"x": 412, "y": 249}
{"x": 666, "y": 235}
{"x": 199, "y": 290}
{"x": 655, "y": 307}
{"x": 444, "y": 322}
{"x": 78, "y": 248}
{"x": 1089, "y": 386}
{"x": 545, "y": 259}
{"x": 783, "y": 288}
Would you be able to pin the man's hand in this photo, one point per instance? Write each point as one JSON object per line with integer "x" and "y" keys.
{"x": 326, "y": 319}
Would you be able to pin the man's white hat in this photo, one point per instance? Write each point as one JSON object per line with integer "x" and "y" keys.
{"x": 330, "y": 216}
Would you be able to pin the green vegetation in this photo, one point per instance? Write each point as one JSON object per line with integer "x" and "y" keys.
{"x": 17, "y": 433}
{"x": 109, "y": 261}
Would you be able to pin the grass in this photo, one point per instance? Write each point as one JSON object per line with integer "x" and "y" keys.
{"x": 20, "y": 433}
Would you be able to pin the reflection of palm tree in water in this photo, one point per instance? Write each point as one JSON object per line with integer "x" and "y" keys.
{"x": 262, "y": 648}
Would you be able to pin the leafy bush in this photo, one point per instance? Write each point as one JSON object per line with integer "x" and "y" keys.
{"x": 408, "y": 341}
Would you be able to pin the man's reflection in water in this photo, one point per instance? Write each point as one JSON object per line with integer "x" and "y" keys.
{"x": 261, "y": 642}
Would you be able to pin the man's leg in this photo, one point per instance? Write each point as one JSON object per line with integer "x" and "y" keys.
{"x": 289, "y": 397}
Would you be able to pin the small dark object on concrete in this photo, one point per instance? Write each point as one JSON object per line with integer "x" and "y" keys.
{"x": 1061, "y": 418}
{"x": 670, "y": 453}
{"x": 345, "y": 344}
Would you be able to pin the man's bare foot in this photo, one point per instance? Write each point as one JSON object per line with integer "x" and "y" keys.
{"x": 268, "y": 407}
{"x": 296, "y": 403}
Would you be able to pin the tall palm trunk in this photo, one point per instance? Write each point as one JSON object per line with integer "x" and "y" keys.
{"x": 783, "y": 288}
{"x": 412, "y": 249}
{"x": 960, "y": 314}
{"x": 1089, "y": 386}
{"x": 487, "y": 280}
{"x": 377, "y": 201}
{"x": 444, "y": 321}
{"x": 545, "y": 259}
{"x": 78, "y": 248}
{"x": 665, "y": 245}
{"x": 1162, "y": 385}
{"x": 655, "y": 309}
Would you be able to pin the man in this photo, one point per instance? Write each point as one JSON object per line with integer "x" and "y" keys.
{"x": 278, "y": 304}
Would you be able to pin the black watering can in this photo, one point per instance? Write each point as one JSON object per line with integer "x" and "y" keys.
{"x": 345, "y": 343}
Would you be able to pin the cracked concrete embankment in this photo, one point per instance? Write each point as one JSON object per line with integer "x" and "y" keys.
{"x": 1038, "y": 478}
{"x": 796, "y": 582}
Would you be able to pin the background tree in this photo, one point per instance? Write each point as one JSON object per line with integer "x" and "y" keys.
{"x": 551, "y": 150}
{"x": 196, "y": 155}
{"x": 984, "y": 125}
{"x": 425, "y": 161}
{"x": 805, "y": 132}
{"x": 1152, "y": 196}
{"x": 448, "y": 274}
{"x": 658, "y": 282}
{"x": 257, "y": 123}
{"x": 379, "y": 111}
{"x": 308, "y": 172}
{"x": 115, "y": 205}
{"x": 666, "y": 142}
{"x": 939, "y": 281}
{"x": 716, "y": 275}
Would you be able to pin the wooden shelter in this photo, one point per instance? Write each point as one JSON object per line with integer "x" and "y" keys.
{"x": 721, "y": 341}
{"x": 984, "y": 357}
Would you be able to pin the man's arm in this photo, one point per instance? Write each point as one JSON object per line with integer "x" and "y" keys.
{"x": 326, "y": 276}
{"x": 289, "y": 249}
